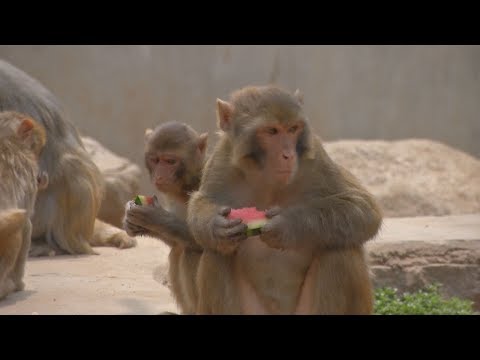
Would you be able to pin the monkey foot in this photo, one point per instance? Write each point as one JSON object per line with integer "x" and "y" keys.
{"x": 37, "y": 250}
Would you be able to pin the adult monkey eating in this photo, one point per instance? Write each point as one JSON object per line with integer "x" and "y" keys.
{"x": 309, "y": 257}
{"x": 64, "y": 220}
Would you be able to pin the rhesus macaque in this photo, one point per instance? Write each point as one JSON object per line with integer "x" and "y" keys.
{"x": 64, "y": 220}
{"x": 21, "y": 142}
{"x": 309, "y": 257}
{"x": 174, "y": 158}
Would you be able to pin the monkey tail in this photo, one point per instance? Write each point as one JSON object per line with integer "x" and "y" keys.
{"x": 11, "y": 220}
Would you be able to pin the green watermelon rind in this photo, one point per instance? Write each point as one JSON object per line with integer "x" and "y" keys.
{"x": 254, "y": 227}
{"x": 141, "y": 200}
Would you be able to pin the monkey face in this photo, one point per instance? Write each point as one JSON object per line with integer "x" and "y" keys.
{"x": 166, "y": 169}
{"x": 278, "y": 144}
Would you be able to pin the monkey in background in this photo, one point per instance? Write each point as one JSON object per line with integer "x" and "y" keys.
{"x": 309, "y": 257}
{"x": 65, "y": 214}
{"x": 174, "y": 158}
{"x": 22, "y": 140}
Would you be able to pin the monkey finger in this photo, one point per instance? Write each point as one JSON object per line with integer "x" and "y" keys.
{"x": 130, "y": 204}
{"x": 128, "y": 224}
{"x": 133, "y": 230}
{"x": 224, "y": 210}
{"x": 231, "y": 232}
{"x": 273, "y": 212}
{"x": 238, "y": 230}
{"x": 138, "y": 212}
{"x": 223, "y": 222}
{"x": 156, "y": 203}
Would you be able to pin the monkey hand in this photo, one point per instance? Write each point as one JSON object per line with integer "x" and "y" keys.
{"x": 227, "y": 233}
{"x": 139, "y": 220}
{"x": 273, "y": 232}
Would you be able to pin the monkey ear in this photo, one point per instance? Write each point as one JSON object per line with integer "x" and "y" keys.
{"x": 299, "y": 96}
{"x": 202, "y": 142}
{"x": 148, "y": 132}
{"x": 25, "y": 129}
{"x": 224, "y": 114}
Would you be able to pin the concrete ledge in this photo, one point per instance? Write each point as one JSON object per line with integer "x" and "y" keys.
{"x": 413, "y": 252}
{"x": 408, "y": 253}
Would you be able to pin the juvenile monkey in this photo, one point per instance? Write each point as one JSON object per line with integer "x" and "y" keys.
{"x": 174, "y": 158}
{"x": 65, "y": 217}
{"x": 21, "y": 141}
{"x": 309, "y": 257}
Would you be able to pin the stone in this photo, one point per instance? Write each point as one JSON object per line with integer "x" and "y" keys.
{"x": 413, "y": 177}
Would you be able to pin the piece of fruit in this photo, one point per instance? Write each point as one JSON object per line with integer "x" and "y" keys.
{"x": 144, "y": 200}
{"x": 253, "y": 218}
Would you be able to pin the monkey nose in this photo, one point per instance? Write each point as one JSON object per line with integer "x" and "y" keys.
{"x": 287, "y": 155}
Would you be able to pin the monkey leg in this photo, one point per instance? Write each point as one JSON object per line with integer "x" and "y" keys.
{"x": 217, "y": 291}
{"x": 66, "y": 211}
{"x": 337, "y": 283}
{"x": 108, "y": 235}
{"x": 8, "y": 254}
{"x": 174, "y": 276}
{"x": 39, "y": 247}
{"x": 18, "y": 270}
{"x": 7, "y": 286}
{"x": 188, "y": 267}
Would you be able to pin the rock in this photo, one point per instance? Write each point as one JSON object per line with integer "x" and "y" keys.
{"x": 413, "y": 177}
{"x": 411, "y": 253}
{"x": 121, "y": 180}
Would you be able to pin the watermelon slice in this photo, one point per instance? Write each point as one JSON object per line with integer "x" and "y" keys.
{"x": 144, "y": 200}
{"x": 254, "y": 219}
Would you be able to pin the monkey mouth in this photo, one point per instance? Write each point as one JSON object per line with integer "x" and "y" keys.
{"x": 284, "y": 172}
{"x": 162, "y": 184}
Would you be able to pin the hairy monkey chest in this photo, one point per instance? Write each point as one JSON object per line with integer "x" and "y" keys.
{"x": 269, "y": 280}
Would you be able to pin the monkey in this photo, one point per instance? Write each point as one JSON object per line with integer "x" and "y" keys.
{"x": 309, "y": 257}
{"x": 22, "y": 140}
{"x": 174, "y": 158}
{"x": 64, "y": 220}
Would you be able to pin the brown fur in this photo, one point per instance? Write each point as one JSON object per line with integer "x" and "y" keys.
{"x": 309, "y": 258}
{"x": 175, "y": 181}
{"x": 21, "y": 142}
{"x": 65, "y": 216}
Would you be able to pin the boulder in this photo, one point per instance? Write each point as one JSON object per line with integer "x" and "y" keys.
{"x": 413, "y": 177}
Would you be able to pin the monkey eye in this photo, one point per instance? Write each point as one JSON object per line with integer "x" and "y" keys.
{"x": 171, "y": 161}
{"x": 293, "y": 129}
{"x": 154, "y": 159}
{"x": 272, "y": 131}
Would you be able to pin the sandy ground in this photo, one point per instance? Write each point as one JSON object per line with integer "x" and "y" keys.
{"x": 115, "y": 282}
{"x": 132, "y": 281}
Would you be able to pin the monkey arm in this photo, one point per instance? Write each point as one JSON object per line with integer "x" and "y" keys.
{"x": 173, "y": 231}
{"x": 200, "y": 214}
{"x": 211, "y": 228}
{"x": 161, "y": 224}
{"x": 341, "y": 220}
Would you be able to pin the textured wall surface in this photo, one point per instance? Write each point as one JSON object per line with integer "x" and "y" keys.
{"x": 113, "y": 93}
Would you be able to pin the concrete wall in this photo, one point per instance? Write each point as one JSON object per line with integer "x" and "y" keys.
{"x": 366, "y": 92}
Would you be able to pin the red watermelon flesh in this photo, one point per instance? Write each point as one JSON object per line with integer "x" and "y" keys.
{"x": 144, "y": 200}
{"x": 255, "y": 219}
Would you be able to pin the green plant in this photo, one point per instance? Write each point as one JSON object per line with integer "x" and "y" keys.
{"x": 427, "y": 301}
